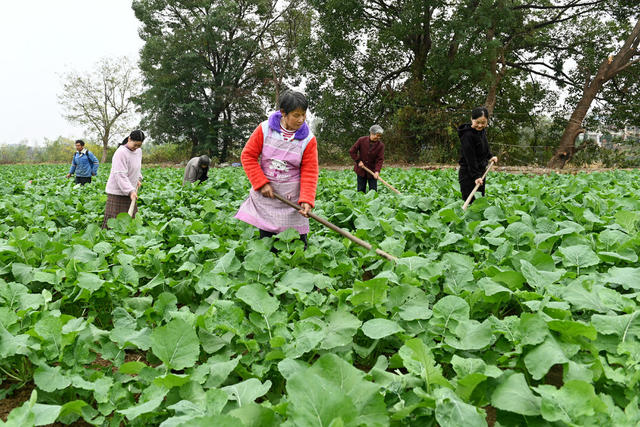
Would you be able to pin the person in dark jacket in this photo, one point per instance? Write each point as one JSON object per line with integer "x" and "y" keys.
{"x": 197, "y": 170}
{"x": 475, "y": 154}
{"x": 368, "y": 151}
{"x": 84, "y": 164}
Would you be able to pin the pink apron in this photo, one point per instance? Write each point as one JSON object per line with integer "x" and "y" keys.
{"x": 280, "y": 162}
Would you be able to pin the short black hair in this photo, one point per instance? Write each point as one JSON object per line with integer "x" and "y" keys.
{"x": 291, "y": 100}
{"x": 478, "y": 112}
{"x": 79, "y": 141}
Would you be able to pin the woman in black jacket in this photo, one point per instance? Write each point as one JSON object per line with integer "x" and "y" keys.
{"x": 475, "y": 154}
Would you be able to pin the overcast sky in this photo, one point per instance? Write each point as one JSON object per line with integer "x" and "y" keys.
{"x": 42, "y": 39}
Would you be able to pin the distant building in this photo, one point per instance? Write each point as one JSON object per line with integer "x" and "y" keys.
{"x": 605, "y": 137}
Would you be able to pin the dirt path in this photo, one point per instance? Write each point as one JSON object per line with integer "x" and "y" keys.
{"x": 533, "y": 170}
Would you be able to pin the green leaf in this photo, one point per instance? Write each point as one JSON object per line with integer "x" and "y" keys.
{"x": 23, "y": 415}
{"x": 131, "y": 368}
{"x": 627, "y": 219}
{"x": 176, "y": 344}
{"x": 380, "y": 328}
{"x": 71, "y": 409}
{"x": 625, "y": 325}
{"x": 334, "y": 391}
{"x": 628, "y": 277}
{"x": 50, "y": 379}
{"x": 220, "y": 367}
{"x": 23, "y": 273}
{"x": 573, "y": 329}
{"x": 417, "y": 358}
{"x": 247, "y": 391}
{"x": 539, "y": 279}
{"x": 448, "y": 312}
{"x": 575, "y": 403}
{"x": 519, "y": 232}
{"x": 580, "y": 256}
{"x": 171, "y": 380}
{"x": 81, "y": 253}
{"x": 154, "y": 399}
{"x": 307, "y": 334}
{"x": 514, "y": 395}
{"x": 369, "y": 294}
{"x": 228, "y": 263}
{"x": 11, "y": 345}
{"x": 539, "y": 360}
{"x": 45, "y": 414}
{"x": 340, "y": 329}
{"x": 257, "y": 297}
{"x": 296, "y": 280}
{"x": 89, "y": 281}
{"x": 254, "y": 415}
{"x": 451, "y": 411}
{"x": 260, "y": 261}
{"x": 471, "y": 334}
{"x": 415, "y": 307}
{"x": 450, "y": 239}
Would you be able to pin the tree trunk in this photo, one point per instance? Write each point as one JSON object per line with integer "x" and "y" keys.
{"x": 105, "y": 147}
{"x": 194, "y": 147}
{"x": 607, "y": 70}
{"x": 566, "y": 149}
{"x": 492, "y": 95}
{"x": 226, "y": 136}
{"x": 496, "y": 77}
{"x": 194, "y": 143}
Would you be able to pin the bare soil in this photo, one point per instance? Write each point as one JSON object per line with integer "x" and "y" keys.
{"x": 530, "y": 170}
{"x": 554, "y": 376}
{"x": 17, "y": 398}
{"x": 491, "y": 415}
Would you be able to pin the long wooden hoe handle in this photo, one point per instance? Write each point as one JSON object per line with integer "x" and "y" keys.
{"x": 337, "y": 229}
{"x": 466, "y": 203}
{"x": 391, "y": 187}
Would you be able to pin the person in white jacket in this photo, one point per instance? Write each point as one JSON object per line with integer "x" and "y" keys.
{"x": 125, "y": 177}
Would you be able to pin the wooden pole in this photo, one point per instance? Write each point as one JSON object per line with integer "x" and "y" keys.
{"x": 391, "y": 187}
{"x": 466, "y": 203}
{"x": 337, "y": 229}
{"x": 132, "y": 207}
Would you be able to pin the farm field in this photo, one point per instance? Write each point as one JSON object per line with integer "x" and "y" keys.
{"x": 524, "y": 310}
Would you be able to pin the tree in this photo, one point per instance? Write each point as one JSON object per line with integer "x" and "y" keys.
{"x": 279, "y": 49}
{"x": 100, "y": 100}
{"x": 206, "y": 79}
{"x": 610, "y": 67}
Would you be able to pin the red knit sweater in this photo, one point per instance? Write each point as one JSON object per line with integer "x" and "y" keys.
{"x": 308, "y": 169}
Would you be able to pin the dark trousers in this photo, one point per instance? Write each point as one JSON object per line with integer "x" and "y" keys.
{"x": 264, "y": 234}
{"x": 467, "y": 184}
{"x": 82, "y": 180}
{"x": 362, "y": 183}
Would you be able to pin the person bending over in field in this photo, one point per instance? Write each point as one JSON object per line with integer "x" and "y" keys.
{"x": 197, "y": 170}
{"x": 281, "y": 156}
{"x": 84, "y": 164}
{"x": 475, "y": 154}
{"x": 368, "y": 151}
{"x": 125, "y": 177}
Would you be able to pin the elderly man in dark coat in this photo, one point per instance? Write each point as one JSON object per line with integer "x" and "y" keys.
{"x": 197, "y": 169}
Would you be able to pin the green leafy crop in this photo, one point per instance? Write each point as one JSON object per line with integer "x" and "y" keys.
{"x": 523, "y": 310}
